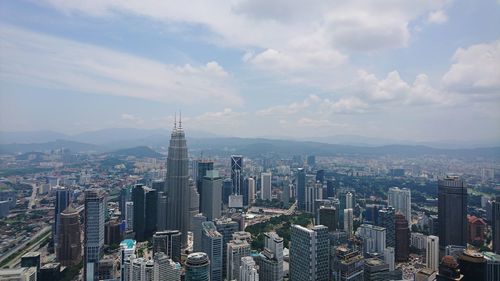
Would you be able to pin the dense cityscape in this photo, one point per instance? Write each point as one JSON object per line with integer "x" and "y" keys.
{"x": 138, "y": 215}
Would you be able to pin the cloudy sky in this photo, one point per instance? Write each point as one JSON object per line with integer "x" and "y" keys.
{"x": 425, "y": 70}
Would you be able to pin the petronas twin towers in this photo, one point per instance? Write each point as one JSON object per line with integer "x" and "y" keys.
{"x": 178, "y": 183}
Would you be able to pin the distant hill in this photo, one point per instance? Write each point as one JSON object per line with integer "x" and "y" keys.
{"x": 139, "y": 151}
{"x": 16, "y": 148}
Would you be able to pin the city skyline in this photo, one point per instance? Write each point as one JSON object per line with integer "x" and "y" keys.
{"x": 415, "y": 71}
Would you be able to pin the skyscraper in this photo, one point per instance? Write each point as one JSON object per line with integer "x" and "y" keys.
{"x": 197, "y": 267}
{"x": 495, "y": 225}
{"x": 138, "y": 197}
{"x": 248, "y": 270}
{"x": 168, "y": 242}
{"x": 165, "y": 268}
{"x": 452, "y": 212}
{"x": 94, "y": 232}
{"x": 161, "y": 213}
{"x": 314, "y": 191}
{"x": 236, "y": 249}
{"x": 402, "y": 238}
{"x": 150, "y": 212}
{"x": 348, "y": 201}
{"x": 374, "y": 238}
{"x": 211, "y": 244}
{"x": 309, "y": 253}
{"x": 211, "y": 189}
{"x": 62, "y": 201}
{"x": 328, "y": 217}
{"x": 301, "y": 188}
{"x": 348, "y": 222}
{"x": 178, "y": 183}
{"x": 265, "y": 183}
{"x": 386, "y": 220}
{"x": 237, "y": 173}
{"x": 400, "y": 199}
{"x": 202, "y": 167}
{"x": 69, "y": 246}
{"x": 432, "y": 252}
{"x": 197, "y": 230}
{"x": 273, "y": 244}
{"x": 129, "y": 216}
{"x": 127, "y": 250}
{"x": 226, "y": 227}
{"x": 251, "y": 190}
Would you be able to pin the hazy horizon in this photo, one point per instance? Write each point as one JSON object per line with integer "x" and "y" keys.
{"x": 425, "y": 71}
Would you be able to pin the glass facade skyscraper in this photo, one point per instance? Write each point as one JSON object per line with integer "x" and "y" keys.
{"x": 309, "y": 253}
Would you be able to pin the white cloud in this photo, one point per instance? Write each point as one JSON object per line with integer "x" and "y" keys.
{"x": 438, "y": 16}
{"x": 35, "y": 59}
{"x": 475, "y": 70}
{"x": 131, "y": 118}
{"x": 289, "y": 109}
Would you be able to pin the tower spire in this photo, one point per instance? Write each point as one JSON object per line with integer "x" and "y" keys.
{"x": 180, "y": 119}
{"x": 175, "y": 121}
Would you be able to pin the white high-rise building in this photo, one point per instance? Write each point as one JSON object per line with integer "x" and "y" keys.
{"x": 165, "y": 268}
{"x": 314, "y": 191}
{"x": 389, "y": 257}
{"x": 374, "y": 238}
{"x": 236, "y": 249}
{"x": 265, "y": 181}
{"x": 432, "y": 252}
{"x": 127, "y": 250}
{"x": 248, "y": 270}
{"x": 251, "y": 191}
{"x": 348, "y": 201}
{"x": 348, "y": 222}
{"x": 274, "y": 243}
{"x": 95, "y": 209}
{"x": 129, "y": 216}
{"x": 400, "y": 199}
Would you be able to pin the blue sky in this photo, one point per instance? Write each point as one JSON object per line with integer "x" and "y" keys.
{"x": 406, "y": 70}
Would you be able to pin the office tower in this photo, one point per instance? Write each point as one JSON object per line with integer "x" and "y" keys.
{"x": 265, "y": 183}
{"x": 139, "y": 269}
{"x": 273, "y": 251}
{"x": 49, "y": 272}
{"x": 226, "y": 227}
{"x": 328, "y": 218}
{"x": 492, "y": 270}
{"x": 145, "y": 210}
{"x": 178, "y": 215}
{"x": 32, "y": 259}
{"x": 495, "y": 224}
{"x": 168, "y": 242}
{"x": 402, "y": 238}
{"x": 62, "y": 201}
{"x": 311, "y": 160}
{"x": 348, "y": 222}
{"x": 320, "y": 176}
{"x": 202, "y": 167}
{"x": 448, "y": 270}
{"x": 301, "y": 188}
{"x": 124, "y": 198}
{"x": 432, "y": 252}
{"x": 197, "y": 267}
{"x": 285, "y": 194}
{"x": 389, "y": 258}
{"x": 386, "y": 219}
{"x": 375, "y": 270}
{"x": 270, "y": 260}
{"x": 348, "y": 201}
{"x": 165, "y": 268}
{"x": 211, "y": 244}
{"x": 197, "y": 230}
{"x": 314, "y": 191}
{"x": 248, "y": 270}
{"x": 347, "y": 264}
{"x": 373, "y": 238}
{"x": 161, "y": 213}
{"x": 227, "y": 189}
{"x": 211, "y": 189}
{"x": 472, "y": 265}
{"x": 129, "y": 216}
{"x": 452, "y": 212}
{"x": 112, "y": 232}
{"x": 127, "y": 250}
{"x": 400, "y": 199}
{"x": 309, "y": 253}
{"x": 236, "y": 249}
{"x": 251, "y": 190}
{"x": 93, "y": 232}
{"x": 237, "y": 173}
{"x": 194, "y": 204}
{"x": 330, "y": 188}
{"x": 69, "y": 245}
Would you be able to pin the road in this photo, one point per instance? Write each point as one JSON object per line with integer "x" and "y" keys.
{"x": 34, "y": 193}
{"x": 20, "y": 248}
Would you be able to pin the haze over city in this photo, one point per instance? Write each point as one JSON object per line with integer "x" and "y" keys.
{"x": 420, "y": 71}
